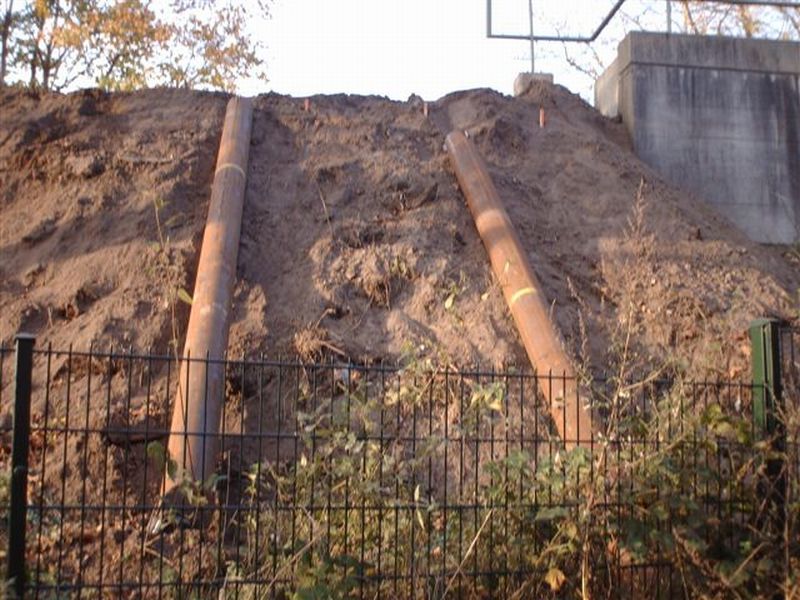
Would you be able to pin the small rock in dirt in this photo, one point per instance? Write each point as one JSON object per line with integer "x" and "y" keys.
{"x": 41, "y": 231}
{"x": 86, "y": 166}
{"x": 362, "y": 236}
{"x": 428, "y": 194}
{"x": 398, "y": 182}
{"x": 351, "y": 271}
{"x": 336, "y": 312}
{"x": 88, "y": 107}
{"x": 88, "y": 102}
{"x": 31, "y": 317}
{"x": 458, "y": 238}
{"x": 70, "y": 311}
{"x": 30, "y": 276}
{"x": 340, "y": 196}
{"x": 375, "y": 279}
{"x": 415, "y": 101}
{"x": 508, "y": 135}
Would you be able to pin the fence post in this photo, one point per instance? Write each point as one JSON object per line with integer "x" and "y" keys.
{"x": 767, "y": 376}
{"x": 17, "y": 514}
{"x": 768, "y": 412}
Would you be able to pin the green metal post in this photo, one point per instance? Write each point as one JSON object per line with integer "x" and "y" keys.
{"x": 20, "y": 442}
{"x": 768, "y": 415}
{"x": 767, "y": 376}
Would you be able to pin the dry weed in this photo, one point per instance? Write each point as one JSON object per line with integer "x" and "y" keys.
{"x": 311, "y": 342}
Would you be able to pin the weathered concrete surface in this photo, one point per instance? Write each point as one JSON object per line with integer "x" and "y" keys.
{"x": 717, "y": 116}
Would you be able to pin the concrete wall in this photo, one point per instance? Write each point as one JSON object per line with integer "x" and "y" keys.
{"x": 719, "y": 117}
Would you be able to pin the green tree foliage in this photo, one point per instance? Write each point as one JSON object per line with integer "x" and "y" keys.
{"x": 128, "y": 44}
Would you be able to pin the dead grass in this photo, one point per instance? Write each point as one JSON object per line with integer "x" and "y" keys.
{"x": 312, "y": 341}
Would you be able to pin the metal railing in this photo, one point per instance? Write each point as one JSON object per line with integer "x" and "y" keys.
{"x": 347, "y": 480}
{"x": 613, "y": 10}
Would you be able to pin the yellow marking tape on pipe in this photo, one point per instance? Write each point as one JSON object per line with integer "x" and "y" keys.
{"x": 520, "y": 293}
{"x": 236, "y": 168}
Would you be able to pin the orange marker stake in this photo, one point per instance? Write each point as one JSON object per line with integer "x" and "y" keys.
{"x": 541, "y": 117}
{"x": 307, "y": 105}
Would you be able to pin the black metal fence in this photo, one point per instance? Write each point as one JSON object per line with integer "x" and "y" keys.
{"x": 341, "y": 480}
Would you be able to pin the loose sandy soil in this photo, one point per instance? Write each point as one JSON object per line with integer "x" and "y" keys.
{"x": 355, "y": 233}
{"x": 80, "y": 179}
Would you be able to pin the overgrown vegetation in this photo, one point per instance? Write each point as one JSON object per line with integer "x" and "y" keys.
{"x": 673, "y": 498}
{"x": 444, "y": 483}
{"x": 450, "y": 485}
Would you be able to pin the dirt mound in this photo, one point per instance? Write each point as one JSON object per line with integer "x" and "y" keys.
{"x": 83, "y": 258}
{"x": 357, "y": 237}
{"x": 356, "y": 240}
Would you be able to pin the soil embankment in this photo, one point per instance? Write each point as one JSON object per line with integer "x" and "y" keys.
{"x": 356, "y": 241}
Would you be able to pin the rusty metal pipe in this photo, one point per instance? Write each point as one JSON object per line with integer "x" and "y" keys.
{"x": 194, "y": 433}
{"x": 523, "y": 293}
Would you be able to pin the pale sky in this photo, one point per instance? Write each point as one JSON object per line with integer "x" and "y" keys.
{"x": 428, "y": 47}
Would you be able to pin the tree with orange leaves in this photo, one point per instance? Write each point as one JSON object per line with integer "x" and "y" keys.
{"x": 129, "y": 44}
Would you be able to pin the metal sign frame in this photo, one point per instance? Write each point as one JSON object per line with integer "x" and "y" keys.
{"x": 611, "y": 14}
